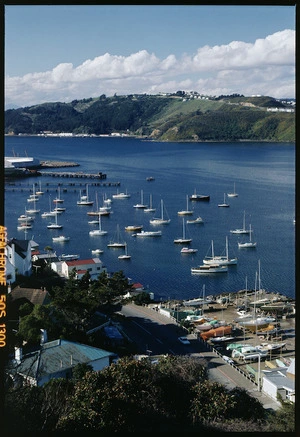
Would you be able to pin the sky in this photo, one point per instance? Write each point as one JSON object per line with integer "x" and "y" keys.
{"x": 61, "y": 53}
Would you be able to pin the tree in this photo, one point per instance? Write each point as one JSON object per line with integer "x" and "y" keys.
{"x": 80, "y": 370}
{"x": 133, "y": 395}
{"x": 36, "y": 409}
{"x": 41, "y": 317}
{"x": 211, "y": 401}
{"x": 284, "y": 419}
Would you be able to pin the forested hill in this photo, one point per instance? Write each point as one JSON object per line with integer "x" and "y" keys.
{"x": 177, "y": 117}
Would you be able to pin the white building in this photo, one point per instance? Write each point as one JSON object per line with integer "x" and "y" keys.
{"x": 93, "y": 265}
{"x": 280, "y": 381}
{"x": 10, "y": 271}
{"x": 18, "y": 253}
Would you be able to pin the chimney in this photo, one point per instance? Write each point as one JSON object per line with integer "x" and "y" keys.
{"x": 18, "y": 354}
{"x": 44, "y": 336}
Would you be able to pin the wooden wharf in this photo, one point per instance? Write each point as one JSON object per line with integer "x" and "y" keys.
{"x": 70, "y": 174}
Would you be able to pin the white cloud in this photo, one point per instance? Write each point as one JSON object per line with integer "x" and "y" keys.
{"x": 265, "y": 67}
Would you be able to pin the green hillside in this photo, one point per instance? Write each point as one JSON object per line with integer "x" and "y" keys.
{"x": 177, "y": 117}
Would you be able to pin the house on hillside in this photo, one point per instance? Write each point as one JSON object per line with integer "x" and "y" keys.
{"x": 18, "y": 253}
{"x": 10, "y": 271}
{"x": 55, "y": 359}
{"x": 92, "y": 265}
{"x": 19, "y": 296}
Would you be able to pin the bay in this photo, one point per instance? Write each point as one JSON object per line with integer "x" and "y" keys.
{"x": 264, "y": 178}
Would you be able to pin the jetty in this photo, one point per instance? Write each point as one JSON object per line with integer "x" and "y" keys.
{"x": 67, "y": 174}
{"x": 70, "y": 174}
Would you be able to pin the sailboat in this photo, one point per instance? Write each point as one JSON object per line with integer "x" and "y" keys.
{"x": 25, "y": 217}
{"x": 187, "y": 211}
{"x": 33, "y": 210}
{"x": 183, "y": 240}
{"x": 117, "y": 243}
{"x": 84, "y": 199}
{"x": 211, "y": 268}
{"x": 24, "y": 225}
{"x": 256, "y": 322}
{"x": 54, "y": 225}
{"x": 243, "y": 230}
{"x": 198, "y": 197}
{"x": 141, "y": 205}
{"x": 233, "y": 194}
{"x": 96, "y": 211}
{"x": 249, "y": 243}
{"x": 98, "y": 231}
{"x": 58, "y": 199}
{"x": 59, "y": 209}
{"x": 160, "y": 220}
{"x": 219, "y": 259}
{"x": 121, "y": 195}
{"x": 40, "y": 191}
{"x": 33, "y": 197}
{"x": 150, "y": 208}
{"x": 125, "y": 255}
{"x": 224, "y": 204}
{"x": 49, "y": 213}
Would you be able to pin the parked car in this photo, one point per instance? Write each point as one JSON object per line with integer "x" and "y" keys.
{"x": 228, "y": 359}
{"x": 183, "y": 340}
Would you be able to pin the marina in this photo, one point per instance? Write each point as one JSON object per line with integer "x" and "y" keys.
{"x": 158, "y": 263}
{"x": 213, "y": 320}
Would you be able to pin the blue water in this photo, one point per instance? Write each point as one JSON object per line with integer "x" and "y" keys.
{"x": 264, "y": 177}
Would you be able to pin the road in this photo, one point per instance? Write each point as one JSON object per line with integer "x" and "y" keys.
{"x": 156, "y": 334}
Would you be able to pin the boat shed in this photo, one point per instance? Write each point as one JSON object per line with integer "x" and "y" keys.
{"x": 280, "y": 381}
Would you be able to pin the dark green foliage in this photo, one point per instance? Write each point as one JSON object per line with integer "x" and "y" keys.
{"x": 36, "y": 409}
{"x": 133, "y": 396}
{"x": 227, "y": 118}
{"x": 171, "y": 395}
{"x": 284, "y": 418}
{"x": 142, "y": 298}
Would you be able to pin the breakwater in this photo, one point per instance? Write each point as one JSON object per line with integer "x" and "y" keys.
{"x": 67, "y": 174}
{"x": 70, "y": 174}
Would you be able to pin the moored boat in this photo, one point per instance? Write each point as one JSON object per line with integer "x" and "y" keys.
{"x": 96, "y": 251}
{"x": 234, "y": 193}
{"x": 196, "y": 221}
{"x": 188, "y": 250}
{"x": 161, "y": 220}
{"x": 121, "y": 195}
{"x": 224, "y": 204}
{"x": 199, "y": 197}
{"x": 131, "y": 228}
{"x": 148, "y": 234}
{"x": 186, "y": 211}
{"x": 68, "y": 257}
{"x": 117, "y": 243}
{"x": 183, "y": 239}
{"x": 209, "y": 268}
{"x": 60, "y": 239}
{"x": 219, "y": 259}
{"x": 141, "y": 205}
{"x": 242, "y": 230}
{"x": 247, "y": 244}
